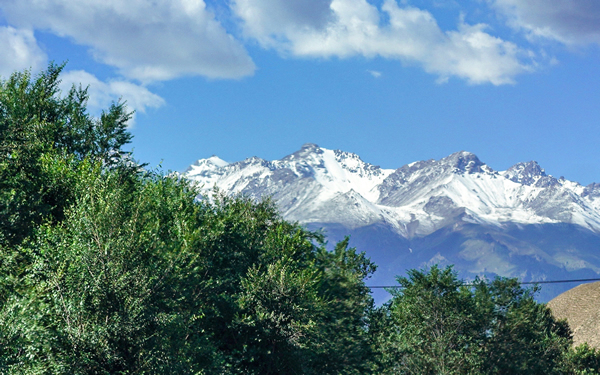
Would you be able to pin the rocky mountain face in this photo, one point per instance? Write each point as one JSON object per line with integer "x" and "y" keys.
{"x": 516, "y": 223}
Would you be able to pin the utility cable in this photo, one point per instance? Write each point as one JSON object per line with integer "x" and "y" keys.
{"x": 520, "y": 282}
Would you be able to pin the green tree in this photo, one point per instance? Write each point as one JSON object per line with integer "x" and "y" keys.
{"x": 108, "y": 269}
{"x": 141, "y": 278}
{"x": 43, "y": 137}
{"x": 523, "y": 336}
{"x": 435, "y": 324}
{"x": 431, "y": 326}
{"x": 35, "y": 121}
{"x": 279, "y": 294}
{"x": 345, "y": 346}
{"x": 582, "y": 360}
{"x": 104, "y": 289}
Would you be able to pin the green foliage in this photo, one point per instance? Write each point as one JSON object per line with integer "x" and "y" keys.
{"x": 277, "y": 317}
{"x": 582, "y": 360}
{"x": 524, "y": 337}
{"x": 98, "y": 281}
{"x": 276, "y": 293}
{"x": 43, "y": 140}
{"x": 436, "y": 325}
{"x": 139, "y": 277}
{"x": 433, "y": 326}
{"x": 109, "y": 270}
{"x": 345, "y": 346}
{"x": 35, "y": 122}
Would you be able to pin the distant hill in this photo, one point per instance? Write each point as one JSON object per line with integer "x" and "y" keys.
{"x": 580, "y": 306}
{"x": 457, "y": 210}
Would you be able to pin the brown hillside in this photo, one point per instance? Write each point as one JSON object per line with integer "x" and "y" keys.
{"x": 581, "y": 307}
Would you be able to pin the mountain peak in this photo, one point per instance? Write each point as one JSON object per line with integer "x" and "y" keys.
{"x": 217, "y": 161}
{"x": 592, "y": 190}
{"x": 311, "y": 183}
{"x": 206, "y": 165}
{"x": 310, "y": 148}
{"x": 529, "y": 168}
{"x": 466, "y": 162}
{"x": 307, "y": 150}
{"x": 486, "y": 222}
{"x": 530, "y": 173}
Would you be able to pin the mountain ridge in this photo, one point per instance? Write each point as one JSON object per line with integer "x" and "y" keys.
{"x": 427, "y": 191}
{"x": 458, "y": 200}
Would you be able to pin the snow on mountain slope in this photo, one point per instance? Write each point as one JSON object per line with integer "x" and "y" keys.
{"x": 317, "y": 185}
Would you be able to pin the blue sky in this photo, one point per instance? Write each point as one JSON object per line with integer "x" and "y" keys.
{"x": 394, "y": 81}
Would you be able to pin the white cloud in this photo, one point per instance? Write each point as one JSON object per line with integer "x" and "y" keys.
{"x": 567, "y": 21}
{"x": 102, "y": 94}
{"x": 344, "y": 28}
{"x": 19, "y": 51}
{"x": 374, "y": 73}
{"x": 146, "y": 40}
{"x": 267, "y": 20}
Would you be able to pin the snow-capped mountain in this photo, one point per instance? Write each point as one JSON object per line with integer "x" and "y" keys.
{"x": 321, "y": 185}
{"x": 484, "y": 219}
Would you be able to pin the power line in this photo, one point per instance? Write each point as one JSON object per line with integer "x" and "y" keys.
{"x": 520, "y": 282}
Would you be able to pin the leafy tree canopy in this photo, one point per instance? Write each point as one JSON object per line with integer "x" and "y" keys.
{"x": 109, "y": 269}
{"x": 141, "y": 278}
{"x": 35, "y": 123}
{"x": 436, "y": 324}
